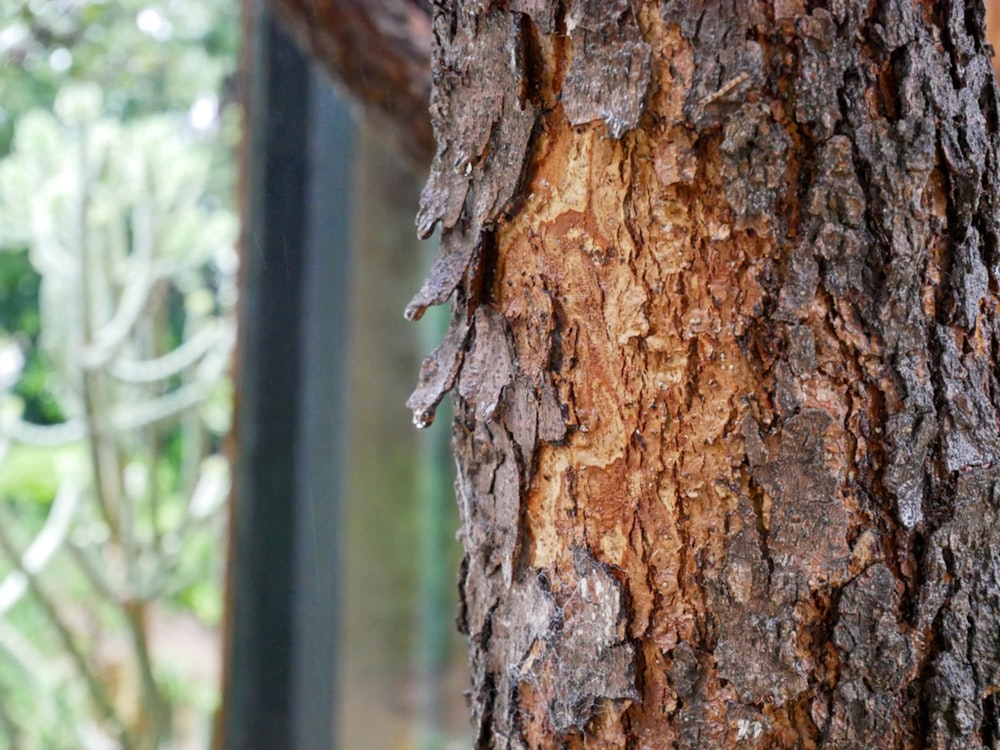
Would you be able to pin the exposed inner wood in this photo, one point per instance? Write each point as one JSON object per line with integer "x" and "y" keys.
{"x": 624, "y": 269}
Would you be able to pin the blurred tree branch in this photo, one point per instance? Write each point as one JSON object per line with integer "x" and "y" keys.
{"x": 134, "y": 260}
{"x": 379, "y": 51}
{"x": 94, "y": 685}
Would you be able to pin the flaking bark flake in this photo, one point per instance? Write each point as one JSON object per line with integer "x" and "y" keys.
{"x": 439, "y": 371}
{"x": 609, "y": 74}
{"x": 725, "y": 343}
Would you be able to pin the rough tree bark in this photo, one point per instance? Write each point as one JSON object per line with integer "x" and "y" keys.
{"x": 724, "y": 358}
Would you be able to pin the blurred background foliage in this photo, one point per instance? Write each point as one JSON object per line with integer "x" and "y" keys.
{"x": 117, "y": 305}
{"x": 118, "y": 128}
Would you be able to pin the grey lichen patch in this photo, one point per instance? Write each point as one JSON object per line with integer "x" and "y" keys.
{"x": 972, "y": 434}
{"x": 729, "y": 64}
{"x": 911, "y": 433}
{"x": 965, "y": 568}
{"x": 568, "y": 642}
{"x": 590, "y": 658}
{"x": 876, "y": 662}
{"x": 610, "y": 69}
{"x": 808, "y": 522}
{"x": 755, "y": 150}
{"x": 821, "y": 65}
{"x": 749, "y": 600}
{"x": 788, "y": 542}
{"x": 519, "y": 629}
{"x": 835, "y": 208}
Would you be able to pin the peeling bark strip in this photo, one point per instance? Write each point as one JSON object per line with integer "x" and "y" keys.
{"x": 725, "y": 346}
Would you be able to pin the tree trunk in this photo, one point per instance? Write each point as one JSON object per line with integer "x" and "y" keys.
{"x": 724, "y": 362}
